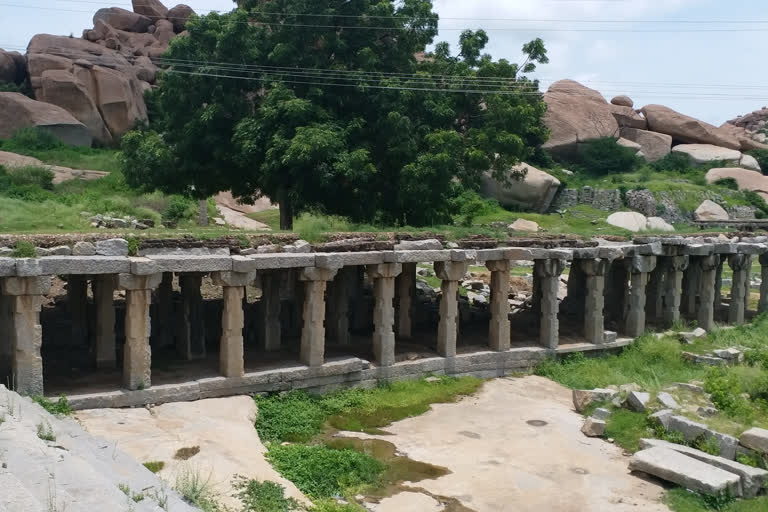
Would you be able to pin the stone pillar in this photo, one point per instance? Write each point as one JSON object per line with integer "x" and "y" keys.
{"x": 708, "y": 266}
{"x": 383, "y": 276}
{"x": 762, "y": 306}
{"x": 547, "y": 279}
{"x": 740, "y": 264}
{"x": 271, "y": 333}
{"x": 190, "y": 341}
{"x": 231, "y": 356}
{"x": 405, "y": 285}
{"x": 691, "y": 287}
{"x": 594, "y": 328}
{"x": 313, "y": 332}
{"x": 77, "y": 304}
{"x": 164, "y": 310}
{"x": 26, "y": 297}
{"x": 498, "y": 330}
{"x": 137, "y": 355}
{"x": 673, "y": 282}
{"x": 103, "y": 349}
{"x": 450, "y": 272}
{"x": 339, "y": 297}
{"x": 654, "y": 304}
{"x": 640, "y": 270}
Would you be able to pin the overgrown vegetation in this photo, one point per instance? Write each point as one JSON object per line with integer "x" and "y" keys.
{"x": 197, "y": 489}
{"x": 603, "y": 156}
{"x": 58, "y": 408}
{"x": 258, "y": 496}
{"x": 298, "y": 417}
{"x": 40, "y": 144}
{"x": 45, "y": 431}
{"x": 155, "y": 466}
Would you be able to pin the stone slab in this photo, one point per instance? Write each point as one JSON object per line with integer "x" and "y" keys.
{"x": 422, "y": 256}
{"x": 84, "y": 265}
{"x": 347, "y": 259}
{"x": 692, "y": 430}
{"x": 755, "y": 439}
{"x": 272, "y": 261}
{"x": 28, "y": 267}
{"x": 752, "y": 479}
{"x": 7, "y": 267}
{"x": 685, "y": 471}
{"x": 192, "y": 263}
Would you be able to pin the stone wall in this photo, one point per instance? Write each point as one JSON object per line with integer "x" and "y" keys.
{"x": 601, "y": 199}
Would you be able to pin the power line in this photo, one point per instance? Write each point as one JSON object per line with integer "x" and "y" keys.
{"x": 492, "y": 29}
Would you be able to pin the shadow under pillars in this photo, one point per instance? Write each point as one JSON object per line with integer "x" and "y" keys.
{"x": 6, "y": 342}
{"x": 338, "y": 308}
{"x": 617, "y": 295}
{"x": 654, "y": 292}
{"x": 190, "y": 339}
{"x": 77, "y": 305}
{"x": 405, "y": 290}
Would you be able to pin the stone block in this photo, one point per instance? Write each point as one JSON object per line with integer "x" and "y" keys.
{"x": 755, "y": 439}
{"x": 84, "y": 265}
{"x": 28, "y": 267}
{"x": 348, "y": 259}
{"x": 143, "y": 266}
{"x": 112, "y": 247}
{"x": 7, "y": 267}
{"x": 61, "y": 250}
{"x": 685, "y": 471}
{"x": 271, "y": 261}
{"x": 692, "y": 430}
{"x": 16, "y": 286}
{"x": 193, "y": 263}
{"x": 667, "y": 401}
{"x": 419, "y": 245}
{"x": 583, "y": 397}
{"x": 330, "y": 368}
{"x": 84, "y": 249}
{"x": 422, "y": 256}
{"x": 700, "y": 249}
{"x": 134, "y": 282}
{"x": 256, "y": 382}
{"x": 743, "y": 248}
{"x": 601, "y": 414}
{"x": 731, "y": 355}
{"x": 752, "y": 479}
{"x": 233, "y": 278}
{"x": 463, "y": 254}
{"x": 638, "y": 401}
{"x": 593, "y": 427}
{"x": 184, "y": 251}
{"x": 700, "y": 359}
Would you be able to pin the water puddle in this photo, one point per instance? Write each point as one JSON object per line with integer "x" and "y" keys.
{"x": 401, "y": 472}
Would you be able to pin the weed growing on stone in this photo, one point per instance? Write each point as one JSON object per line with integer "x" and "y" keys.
{"x": 197, "y": 490}
{"x": 58, "y": 408}
{"x": 24, "y": 249}
{"x": 323, "y": 472}
{"x": 155, "y": 466}
{"x": 265, "y": 496}
{"x": 298, "y": 416}
{"x": 45, "y": 431}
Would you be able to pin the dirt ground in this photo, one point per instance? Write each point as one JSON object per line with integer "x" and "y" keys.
{"x": 514, "y": 446}
{"x": 502, "y": 461}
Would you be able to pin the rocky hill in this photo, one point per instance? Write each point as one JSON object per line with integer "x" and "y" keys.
{"x": 90, "y": 89}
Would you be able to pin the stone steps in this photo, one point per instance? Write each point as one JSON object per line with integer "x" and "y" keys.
{"x": 15, "y": 495}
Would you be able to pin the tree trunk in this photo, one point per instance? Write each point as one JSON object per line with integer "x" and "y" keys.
{"x": 286, "y": 211}
{"x": 202, "y": 212}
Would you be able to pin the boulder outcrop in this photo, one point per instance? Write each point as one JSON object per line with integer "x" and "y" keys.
{"x": 654, "y": 146}
{"x": 13, "y": 67}
{"x": 535, "y": 191}
{"x": 685, "y": 129}
{"x": 623, "y": 101}
{"x": 153, "y": 9}
{"x": 179, "y": 15}
{"x": 745, "y": 178}
{"x": 17, "y": 111}
{"x": 122, "y": 19}
{"x": 753, "y": 124}
{"x": 700, "y": 154}
{"x": 710, "y": 211}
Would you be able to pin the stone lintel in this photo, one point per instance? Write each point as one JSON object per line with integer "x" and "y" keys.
{"x": 743, "y": 248}
{"x": 649, "y": 249}
{"x": 725, "y": 248}
{"x": 28, "y": 267}
{"x": 317, "y": 274}
{"x": 143, "y": 266}
{"x": 639, "y": 264}
{"x": 549, "y": 268}
{"x": 36, "y": 285}
{"x": 675, "y": 263}
{"x": 551, "y": 254}
{"x": 463, "y": 254}
{"x": 384, "y": 270}
{"x": 84, "y": 265}
{"x": 422, "y": 256}
{"x": 193, "y": 263}
{"x": 671, "y": 251}
{"x": 594, "y": 267}
{"x": 451, "y": 270}
{"x": 700, "y": 249}
{"x": 7, "y": 267}
{"x": 348, "y": 259}
{"x": 272, "y": 261}
{"x": 498, "y": 265}
{"x": 237, "y": 279}
{"x": 132, "y": 282}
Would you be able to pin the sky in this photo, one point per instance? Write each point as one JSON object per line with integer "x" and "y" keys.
{"x": 704, "y": 58}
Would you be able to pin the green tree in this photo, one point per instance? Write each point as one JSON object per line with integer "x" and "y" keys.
{"x": 340, "y": 111}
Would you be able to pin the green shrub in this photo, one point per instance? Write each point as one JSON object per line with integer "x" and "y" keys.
{"x": 257, "y": 496}
{"x": 155, "y": 466}
{"x": 179, "y": 208}
{"x": 196, "y": 489}
{"x": 320, "y": 471}
{"x": 35, "y": 138}
{"x": 603, "y": 156}
{"x": 674, "y": 161}
{"x": 470, "y": 205}
{"x": 761, "y": 155}
{"x": 727, "y": 183}
{"x": 58, "y": 408}
{"x": 756, "y": 200}
{"x": 37, "y": 176}
{"x": 24, "y": 249}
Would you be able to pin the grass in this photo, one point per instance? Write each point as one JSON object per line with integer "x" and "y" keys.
{"x": 40, "y": 145}
{"x": 626, "y": 428}
{"x": 155, "y": 466}
{"x": 58, "y": 408}
{"x": 196, "y": 489}
{"x": 298, "y": 416}
{"x": 323, "y": 472}
{"x": 258, "y": 496}
{"x": 681, "y": 500}
{"x": 45, "y": 431}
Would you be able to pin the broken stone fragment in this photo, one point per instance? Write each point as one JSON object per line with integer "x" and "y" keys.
{"x": 583, "y": 397}
{"x": 662, "y": 417}
{"x": 638, "y": 401}
{"x": 593, "y": 427}
{"x": 667, "y": 401}
{"x": 601, "y": 413}
{"x": 755, "y": 439}
{"x": 732, "y": 355}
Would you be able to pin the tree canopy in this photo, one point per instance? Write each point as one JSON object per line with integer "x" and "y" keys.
{"x": 341, "y": 111}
